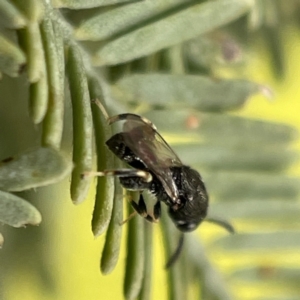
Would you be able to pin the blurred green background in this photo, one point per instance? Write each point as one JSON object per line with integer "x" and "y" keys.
{"x": 60, "y": 258}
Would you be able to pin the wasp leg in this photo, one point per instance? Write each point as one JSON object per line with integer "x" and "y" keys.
{"x": 141, "y": 209}
{"x": 157, "y": 211}
{"x": 146, "y": 176}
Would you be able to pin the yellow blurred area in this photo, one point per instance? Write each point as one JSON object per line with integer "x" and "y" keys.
{"x": 75, "y": 254}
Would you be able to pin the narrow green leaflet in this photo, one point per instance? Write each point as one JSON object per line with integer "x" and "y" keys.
{"x": 241, "y": 186}
{"x": 31, "y": 42}
{"x": 75, "y": 4}
{"x": 122, "y": 18}
{"x": 176, "y": 287}
{"x": 135, "y": 254}
{"x": 271, "y": 241}
{"x": 241, "y": 158}
{"x": 10, "y": 16}
{"x": 181, "y": 91}
{"x": 82, "y": 125}
{"x": 259, "y": 210}
{"x": 213, "y": 283}
{"x": 12, "y": 58}
{"x": 174, "y": 29}
{"x": 235, "y": 130}
{"x": 34, "y": 168}
{"x": 212, "y": 50}
{"x": 38, "y": 99}
{"x": 105, "y": 190}
{"x": 111, "y": 250}
{"x": 273, "y": 35}
{"x": 286, "y": 276}
{"x": 32, "y": 9}
{"x": 1, "y": 240}
{"x": 17, "y": 212}
{"x": 53, "y": 123}
{"x": 146, "y": 290}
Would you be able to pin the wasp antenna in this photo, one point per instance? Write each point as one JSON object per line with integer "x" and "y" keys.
{"x": 102, "y": 108}
{"x": 223, "y": 223}
{"x": 176, "y": 253}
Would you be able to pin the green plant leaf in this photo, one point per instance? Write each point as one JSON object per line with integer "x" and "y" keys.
{"x": 82, "y": 125}
{"x": 32, "y": 9}
{"x": 212, "y": 282}
{"x": 38, "y": 99}
{"x": 12, "y": 58}
{"x": 34, "y": 168}
{"x": 105, "y": 185}
{"x": 271, "y": 241}
{"x": 176, "y": 286}
{"x": 171, "y": 30}
{"x": 281, "y": 275}
{"x": 122, "y": 19}
{"x": 217, "y": 48}
{"x": 111, "y": 250}
{"x": 259, "y": 210}
{"x": 146, "y": 290}
{"x": 31, "y": 42}
{"x": 75, "y": 4}
{"x": 53, "y": 123}
{"x": 235, "y": 130}
{"x": 242, "y": 186}
{"x": 181, "y": 91}
{"x": 17, "y": 212}
{"x": 1, "y": 240}
{"x": 240, "y": 158}
{"x": 135, "y": 255}
{"x": 10, "y": 16}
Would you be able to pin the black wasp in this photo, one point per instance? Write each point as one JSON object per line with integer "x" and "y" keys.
{"x": 158, "y": 170}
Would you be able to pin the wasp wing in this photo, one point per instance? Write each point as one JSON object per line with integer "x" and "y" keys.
{"x": 146, "y": 143}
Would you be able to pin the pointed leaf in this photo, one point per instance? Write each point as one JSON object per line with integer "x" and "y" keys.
{"x": 259, "y": 210}
{"x": 286, "y": 276}
{"x": 1, "y": 240}
{"x": 243, "y": 158}
{"x": 237, "y": 130}
{"x": 82, "y": 125}
{"x": 17, "y": 212}
{"x": 10, "y": 16}
{"x": 241, "y": 186}
{"x": 38, "y": 99}
{"x": 32, "y": 9}
{"x": 171, "y": 30}
{"x": 183, "y": 91}
{"x": 211, "y": 50}
{"x": 213, "y": 283}
{"x": 271, "y": 241}
{"x": 34, "y": 168}
{"x": 12, "y": 58}
{"x": 75, "y": 4}
{"x": 53, "y": 123}
{"x": 135, "y": 255}
{"x": 31, "y": 42}
{"x": 111, "y": 250}
{"x": 176, "y": 288}
{"x": 122, "y": 18}
{"x": 105, "y": 185}
{"x": 146, "y": 291}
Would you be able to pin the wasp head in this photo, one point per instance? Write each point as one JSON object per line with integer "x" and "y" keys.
{"x": 193, "y": 198}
